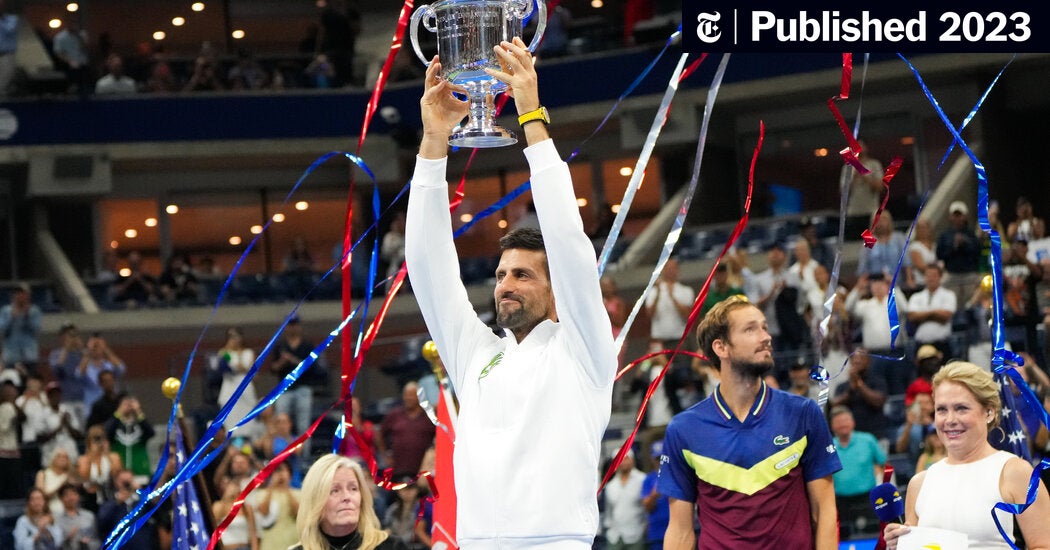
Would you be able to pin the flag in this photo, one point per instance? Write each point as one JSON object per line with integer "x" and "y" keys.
{"x": 188, "y": 527}
{"x": 1014, "y": 438}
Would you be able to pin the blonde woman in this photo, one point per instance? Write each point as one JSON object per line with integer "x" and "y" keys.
{"x": 50, "y": 480}
{"x": 36, "y": 528}
{"x": 335, "y": 509}
{"x": 959, "y": 492}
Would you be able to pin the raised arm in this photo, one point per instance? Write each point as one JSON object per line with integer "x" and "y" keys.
{"x": 429, "y": 251}
{"x": 570, "y": 254}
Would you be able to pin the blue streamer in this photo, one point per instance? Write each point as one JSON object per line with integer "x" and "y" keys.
{"x": 973, "y": 112}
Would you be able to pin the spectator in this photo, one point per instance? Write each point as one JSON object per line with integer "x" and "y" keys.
{"x": 178, "y": 284}
{"x": 64, "y": 361}
{"x": 864, "y": 395}
{"x": 668, "y": 306}
{"x": 247, "y": 74}
{"x": 11, "y": 418}
{"x": 931, "y": 310}
{"x": 277, "y": 440}
{"x": 863, "y": 461}
{"x": 624, "y": 519}
{"x": 804, "y": 267}
{"x": 776, "y": 292}
{"x": 76, "y": 524}
{"x": 818, "y": 249}
{"x": 125, "y": 499}
{"x": 801, "y": 382}
{"x": 205, "y": 77}
{"x": 292, "y": 349}
{"x": 320, "y": 73}
{"x": 95, "y": 468}
{"x": 392, "y": 249}
{"x": 242, "y": 532}
{"x": 57, "y": 474}
{"x": 300, "y": 268}
{"x": 918, "y": 421}
{"x": 339, "y": 30}
{"x": 556, "y": 38}
{"x": 719, "y": 290}
{"x": 278, "y": 505}
{"x": 1020, "y": 299}
{"x": 870, "y": 313}
{"x": 36, "y": 529}
{"x": 920, "y": 255}
{"x": 402, "y": 517}
{"x": 932, "y": 453}
{"x": 19, "y": 329}
{"x": 237, "y": 466}
{"x": 128, "y": 431}
{"x": 615, "y": 305}
{"x": 928, "y": 360}
{"x": 59, "y": 427}
{"x": 115, "y": 82}
{"x": 98, "y": 359}
{"x": 659, "y": 411}
{"x": 161, "y": 79}
{"x": 70, "y": 49}
{"x": 1027, "y": 226}
{"x": 865, "y": 192}
{"x": 655, "y": 504}
{"x": 886, "y": 254}
{"x": 958, "y": 246}
{"x": 366, "y": 429}
{"x": 8, "y": 47}
{"x": 34, "y": 404}
{"x": 138, "y": 288}
{"x": 234, "y": 361}
{"x": 106, "y": 405}
{"x": 405, "y": 434}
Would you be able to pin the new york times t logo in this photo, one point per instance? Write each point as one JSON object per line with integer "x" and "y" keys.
{"x": 707, "y": 27}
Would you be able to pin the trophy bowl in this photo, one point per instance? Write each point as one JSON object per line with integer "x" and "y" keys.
{"x": 467, "y": 31}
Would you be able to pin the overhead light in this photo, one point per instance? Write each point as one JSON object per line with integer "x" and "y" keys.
{"x": 908, "y": 140}
{"x": 466, "y": 218}
{"x": 581, "y": 202}
{"x": 54, "y": 23}
{"x": 820, "y": 152}
{"x": 597, "y": 3}
{"x": 615, "y": 208}
{"x": 151, "y": 222}
{"x": 131, "y": 233}
{"x": 502, "y": 224}
{"x": 72, "y": 7}
{"x": 172, "y": 209}
{"x": 159, "y": 35}
{"x": 278, "y": 217}
{"x": 235, "y": 240}
{"x": 197, "y": 6}
{"x": 178, "y": 21}
{"x": 626, "y": 171}
{"x": 125, "y": 272}
{"x": 302, "y": 205}
{"x": 255, "y": 229}
{"x": 237, "y": 34}
{"x": 113, "y": 244}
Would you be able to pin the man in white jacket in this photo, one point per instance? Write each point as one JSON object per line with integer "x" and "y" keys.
{"x": 535, "y": 403}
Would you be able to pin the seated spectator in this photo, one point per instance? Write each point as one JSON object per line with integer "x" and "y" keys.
{"x": 128, "y": 431}
{"x": 36, "y": 528}
{"x": 138, "y": 287}
{"x": 401, "y": 520}
{"x": 863, "y": 461}
{"x": 320, "y": 73}
{"x": 204, "y": 78}
{"x": 95, "y": 468}
{"x": 50, "y": 480}
{"x": 115, "y": 82}
{"x": 161, "y": 79}
{"x": 932, "y": 453}
{"x": 928, "y": 361}
{"x": 801, "y": 383}
{"x": 77, "y": 524}
{"x": 247, "y": 74}
{"x": 918, "y": 421}
{"x": 178, "y": 284}
{"x": 889, "y": 246}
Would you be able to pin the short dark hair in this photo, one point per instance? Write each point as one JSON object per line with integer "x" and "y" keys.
{"x": 525, "y": 238}
{"x": 715, "y": 326}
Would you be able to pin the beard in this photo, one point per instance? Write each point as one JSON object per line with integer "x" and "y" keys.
{"x": 512, "y": 317}
{"x": 756, "y": 369}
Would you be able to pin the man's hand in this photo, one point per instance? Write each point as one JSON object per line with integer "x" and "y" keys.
{"x": 519, "y": 74}
{"x": 440, "y": 110}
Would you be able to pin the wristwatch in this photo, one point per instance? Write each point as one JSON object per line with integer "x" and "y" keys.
{"x": 540, "y": 114}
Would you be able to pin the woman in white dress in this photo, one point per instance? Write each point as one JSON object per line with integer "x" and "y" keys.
{"x": 958, "y": 493}
{"x": 235, "y": 361}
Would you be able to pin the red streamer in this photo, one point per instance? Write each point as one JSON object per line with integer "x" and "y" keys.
{"x": 694, "y": 314}
{"x": 850, "y": 153}
{"x": 891, "y": 170}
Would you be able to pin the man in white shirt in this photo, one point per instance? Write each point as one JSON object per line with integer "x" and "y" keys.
{"x": 873, "y": 314}
{"x": 931, "y": 310}
{"x": 533, "y": 404}
{"x": 624, "y": 516}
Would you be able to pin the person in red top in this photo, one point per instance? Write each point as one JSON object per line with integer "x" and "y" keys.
{"x": 405, "y": 434}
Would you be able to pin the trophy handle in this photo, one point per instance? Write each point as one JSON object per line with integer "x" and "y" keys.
{"x": 430, "y": 24}
{"x": 541, "y": 24}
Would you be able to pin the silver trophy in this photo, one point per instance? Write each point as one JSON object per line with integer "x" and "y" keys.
{"x": 467, "y": 31}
